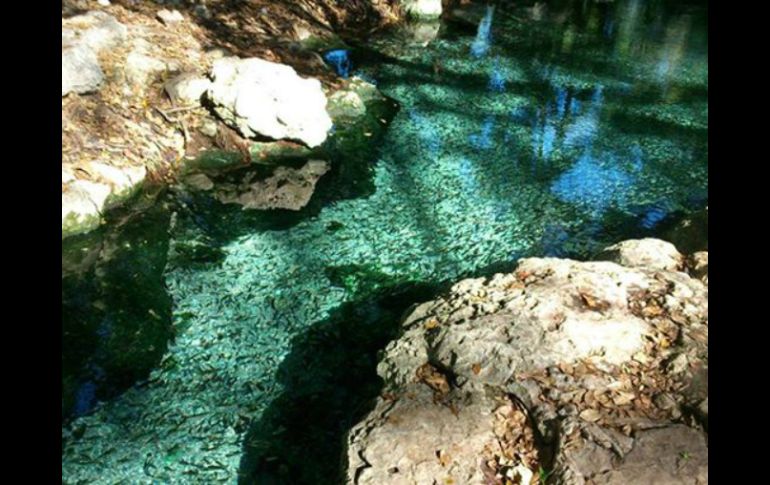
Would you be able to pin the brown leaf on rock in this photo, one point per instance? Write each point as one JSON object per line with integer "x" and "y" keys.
{"x": 592, "y": 302}
{"x": 623, "y": 398}
{"x": 590, "y": 415}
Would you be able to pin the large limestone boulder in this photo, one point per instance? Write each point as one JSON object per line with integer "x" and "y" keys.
{"x": 84, "y": 37}
{"x": 604, "y": 359}
{"x": 262, "y": 98}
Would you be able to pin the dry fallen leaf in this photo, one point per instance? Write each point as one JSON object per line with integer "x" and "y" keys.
{"x": 623, "y": 398}
{"x": 476, "y": 368}
{"x": 590, "y": 415}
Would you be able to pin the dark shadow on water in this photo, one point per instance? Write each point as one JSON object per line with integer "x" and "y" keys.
{"x": 351, "y": 151}
{"x": 116, "y": 312}
{"x": 329, "y": 382}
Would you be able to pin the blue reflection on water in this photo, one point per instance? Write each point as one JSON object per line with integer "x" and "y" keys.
{"x": 594, "y": 185}
{"x": 467, "y": 173}
{"x": 480, "y": 45}
{"x": 427, "y": 132}
{"x": 483, "y": 141}
{"x": 582, "y": 131}
{"x": 553, "y": 240}
{"x": 653, "y": 217}
{"x": 637, "y": 158}
{"x": 519, "y": 114}
{"x": 496, "y": 79}
{"x": 561, "y": 101}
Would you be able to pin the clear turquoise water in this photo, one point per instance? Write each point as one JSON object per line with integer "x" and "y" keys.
{"x": 550, "y": 135}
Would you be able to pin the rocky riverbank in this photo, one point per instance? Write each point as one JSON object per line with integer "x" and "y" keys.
{"x": 151, "y": 88}
{"x": 565, "y": 371}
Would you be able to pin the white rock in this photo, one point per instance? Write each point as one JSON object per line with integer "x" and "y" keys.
{"x": 120, "y": 179}
{"x": 66, "y": 176}
{"x": 169, "y": 17}
{"x": 644, "y": 253}
{"x": 80, "y": 71}
{"x": 97, "y": 30}
{"x": 422, "y": 9}
{"x": 140, "y": 68}
{"x": 261, "y": 98}
{"x": 81, "y": 206}
{"x": 187, "y": 89}
{"x": 83, "y": 38}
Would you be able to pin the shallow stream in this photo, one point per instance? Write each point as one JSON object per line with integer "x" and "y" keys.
{"x": 205, "y": 344}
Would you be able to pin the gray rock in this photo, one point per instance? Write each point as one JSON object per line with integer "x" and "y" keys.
{"x": 547, "y": 314}
{"x": 169, "y": 17}
{"x": 644, "y": 253}
{"x": 209, "y": 127}
{"x": 83, "y": 38}
{"x": 674, "y": 455}
{"x": 422, "y": 9}
{"x": 703, "y": 412}
{"x": 545, "y": 317}
{"x": 96, "y": 30}
{"x": 199, "y": 181}
{"x": 83, "y": 201}
{"x": 287, "y": 188}
{"x": 187, "y": 89}
{"x": 141, "y": 68}
{"x": 81, "y": 204}
{"x": 415, "y": 440}
{"x": 80, "y": 71}
{"x": 261, "y": 98}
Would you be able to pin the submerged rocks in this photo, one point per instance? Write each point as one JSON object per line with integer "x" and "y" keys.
{"x": 588, "y": 349}
{"x": 286, "y": 188}
{"x": 262, "y": 98}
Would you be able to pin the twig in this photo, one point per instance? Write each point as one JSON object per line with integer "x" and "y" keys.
{"x": 183, "y": 126}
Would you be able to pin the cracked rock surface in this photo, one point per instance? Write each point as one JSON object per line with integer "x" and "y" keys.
{"x": 609, "y": 363}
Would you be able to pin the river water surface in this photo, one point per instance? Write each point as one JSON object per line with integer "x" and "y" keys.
{"x": 205, "y": 345}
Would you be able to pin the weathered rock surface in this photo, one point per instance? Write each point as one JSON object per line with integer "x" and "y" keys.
{"x": 84, "y": 37}
{"x": 412, "y": 440}
{"x": 606, "y": 359}
{"x": 644, "y": 253}
{"x": 286, "y": 188}
{"x": 187, "y": 89}
{"x": 422, "y": 9}
{"x": 84, "y": 201}
{"x": 262, "y": 98}
{"x": 169, "y": 17}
